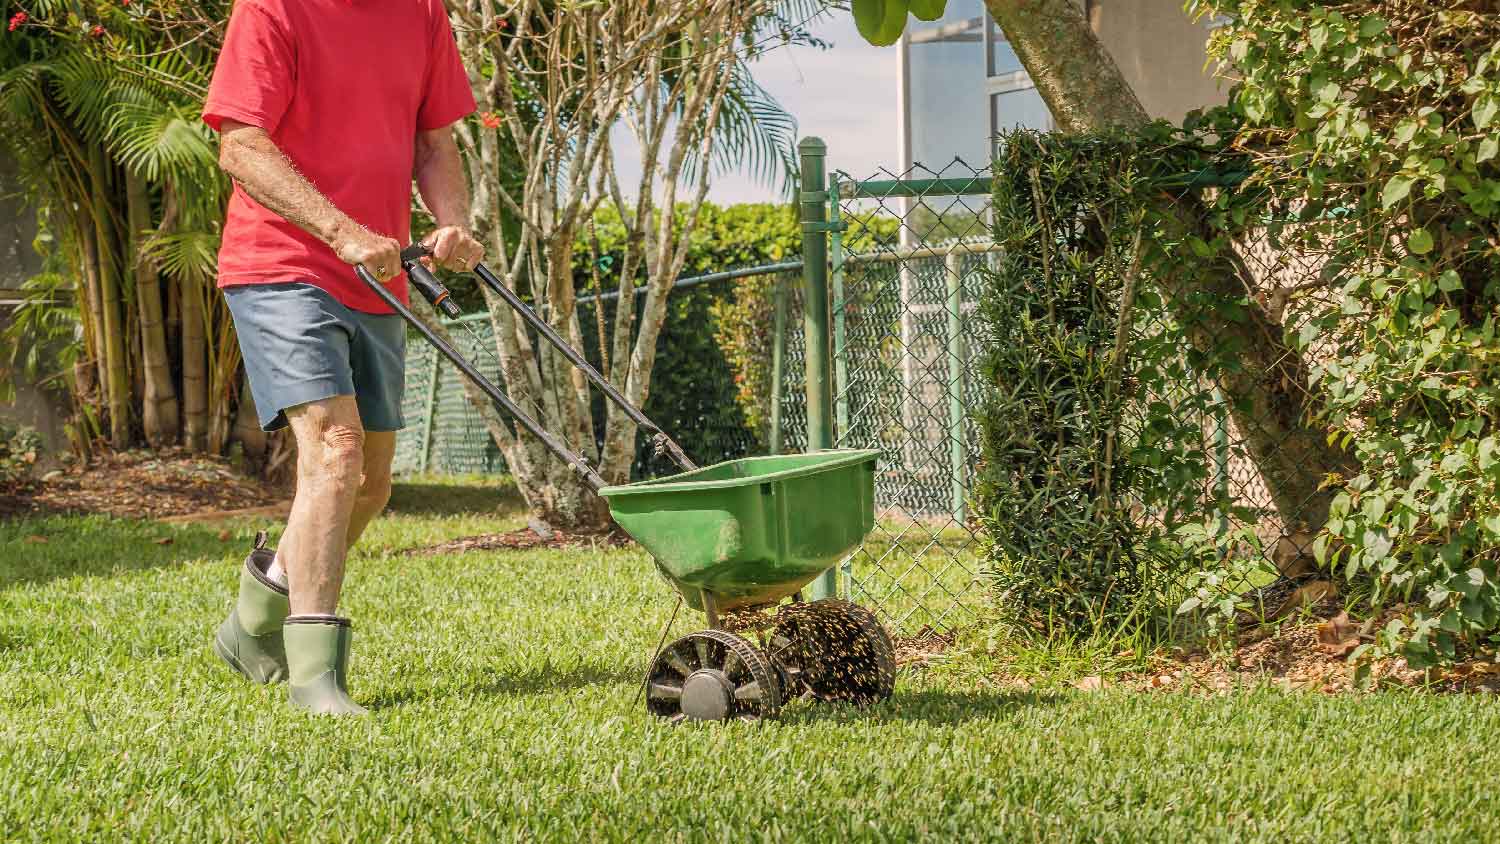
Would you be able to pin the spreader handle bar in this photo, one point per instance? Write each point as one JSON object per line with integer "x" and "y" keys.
{"x": 500, "y": 399}
{"x": 664, "y": 444}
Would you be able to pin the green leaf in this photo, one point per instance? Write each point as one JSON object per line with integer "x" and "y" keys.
{"x": 1371, "y": 26}
{"x": 1484, "y": 111}
{"x": 1189, "y": 605}
{"x": 1449, "y": 281}
{"x": 1395, "y": 190}
{"x": 1487, "y": 149}
{"x": 1317, "y": 37}
{"x": 1419, "y": 241}
{"x": 880, "y": 22}
{"x": 927, "y": 10}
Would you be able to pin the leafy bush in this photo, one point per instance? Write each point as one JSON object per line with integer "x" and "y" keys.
{"x": 1094, "y": 486}
{"x": 1381, "y": 118}
{"x": 698, "y": 386}
{"x": 19, "y": 449}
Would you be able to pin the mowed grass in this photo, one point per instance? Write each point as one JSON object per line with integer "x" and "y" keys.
{"x": 502, "y": 687}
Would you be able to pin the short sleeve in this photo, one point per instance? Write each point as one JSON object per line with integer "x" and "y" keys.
{"x": 256, "y": 73}
{"x": 447, "y": 98}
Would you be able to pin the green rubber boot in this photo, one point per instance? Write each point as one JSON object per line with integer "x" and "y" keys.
{"x": 250, "y": 638}
{"x": 317, "y": 649}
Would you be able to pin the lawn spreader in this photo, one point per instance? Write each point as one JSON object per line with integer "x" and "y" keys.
{"x": 738, "y": 541}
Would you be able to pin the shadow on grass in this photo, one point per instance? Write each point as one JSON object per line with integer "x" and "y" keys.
{"x": 931, "y": 706}
{"x": 38, "y": 550}
{"x": 512, "y": 683}
{"x": 427, "y": 497}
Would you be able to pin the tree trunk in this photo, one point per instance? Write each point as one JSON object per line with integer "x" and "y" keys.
{"x": 159, "y": 408}
{"x": 1267, "y": 390}
{"x": 117, "y": 375}
{"x": 194, "y": 368}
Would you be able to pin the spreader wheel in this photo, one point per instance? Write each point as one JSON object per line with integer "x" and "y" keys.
{"x": 712, "y": 675}
{"x": 833, "y": 650}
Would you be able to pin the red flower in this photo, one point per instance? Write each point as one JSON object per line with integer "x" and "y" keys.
{"x": 98, "y": 32}
{"x": 124, "y": 2}
{"x": 17, "y": 19}
{"x": 490, "y": 120}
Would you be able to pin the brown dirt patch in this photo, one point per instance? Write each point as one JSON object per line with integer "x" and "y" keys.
{"x": 141, "y": 485}
{"x": 921, "y": 649}
{"x": 523, "y": 540}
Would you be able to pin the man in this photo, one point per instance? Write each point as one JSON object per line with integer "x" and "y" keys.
{"x": 327, "y": 110}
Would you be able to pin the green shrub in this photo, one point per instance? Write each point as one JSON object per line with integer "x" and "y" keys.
{"x": 1383, "y": 120}
{"x": 19, "y": 448}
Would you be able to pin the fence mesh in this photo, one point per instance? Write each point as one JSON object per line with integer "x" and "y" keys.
{"x": 695, "y": 392}
{"x": 906, "y": 274}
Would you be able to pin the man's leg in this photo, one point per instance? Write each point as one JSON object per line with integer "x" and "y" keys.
{"x": 330, "y": 461}
{"x": 375, "y": 486}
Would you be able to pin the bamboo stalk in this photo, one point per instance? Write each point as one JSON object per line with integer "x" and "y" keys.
{"x": 116, "y": 370}
{"x": 159, "y": 408}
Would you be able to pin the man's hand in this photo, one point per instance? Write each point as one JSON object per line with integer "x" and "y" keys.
{"x": 453, "y": 248}
{"x": 358, "y": 245}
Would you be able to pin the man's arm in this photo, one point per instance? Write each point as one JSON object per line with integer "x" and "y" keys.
{"x": 439, "y": 172}
{"x": 253, "y": 160}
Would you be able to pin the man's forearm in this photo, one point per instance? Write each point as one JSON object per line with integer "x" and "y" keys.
{"x": 439, "y": 172}
{"x": 254, "y": 161}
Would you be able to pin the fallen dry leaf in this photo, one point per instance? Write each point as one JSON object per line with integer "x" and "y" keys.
{"x": 225, "y": 536}
{"x": 1161, "y": 680}
{"x": 1090, "y": 684}
{"x": 36, "y": 540}
{"x": 165, "y": 540}
{"x": 1338, "y": 636}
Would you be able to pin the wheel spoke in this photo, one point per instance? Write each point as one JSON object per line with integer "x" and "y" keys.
{"x": 678, "y": 664}
{"x": 749, "y": 691}
{"x": 677, "y": 719}
{"x": 732, "y": 664}
{"x": 664, "y": 691}
{"x": 702, "y": 646}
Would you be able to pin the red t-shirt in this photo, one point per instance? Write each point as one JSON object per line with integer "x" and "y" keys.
{"x": 342, "y": 87}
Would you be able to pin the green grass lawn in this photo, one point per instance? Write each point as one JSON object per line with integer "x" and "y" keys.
{"x": 502, "y": 686}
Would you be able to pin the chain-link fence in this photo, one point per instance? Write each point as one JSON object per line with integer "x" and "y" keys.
{"x": 906, "y": 257}
{"x": 696, "y": 392}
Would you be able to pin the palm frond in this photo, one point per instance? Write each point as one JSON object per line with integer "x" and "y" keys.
{"x": 156, "y": 141}
{"x": 189, "y": 256}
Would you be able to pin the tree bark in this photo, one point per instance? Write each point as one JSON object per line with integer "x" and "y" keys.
{"x": 159, "y": 408}
{"x": 194, "y": 368}
{"x": 117, "y": 385}
{"x": 1267, "y": 389}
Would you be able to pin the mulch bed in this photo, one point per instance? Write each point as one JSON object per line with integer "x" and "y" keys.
{"x": 523, "y": 540}
{"x": 1310, "y": 652}
{"x": 141, "y": 485}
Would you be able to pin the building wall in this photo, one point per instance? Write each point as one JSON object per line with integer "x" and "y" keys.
{"x": 33, "y": 407}
{"x": 1160, "y": 50}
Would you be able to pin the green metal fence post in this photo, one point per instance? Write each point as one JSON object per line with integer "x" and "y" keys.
{"x": 778, "y": 350}
{"x": 814, "y": 204}
{"x": 958, "y": 457}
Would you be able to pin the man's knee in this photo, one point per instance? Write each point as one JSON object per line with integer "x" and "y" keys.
{"x": 375, "y": 487}
{"x": 333, "y": 453}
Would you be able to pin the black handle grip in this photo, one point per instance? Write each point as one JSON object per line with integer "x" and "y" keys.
{"x": 431, "y": 289}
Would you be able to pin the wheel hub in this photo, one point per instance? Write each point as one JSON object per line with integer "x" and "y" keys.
{"x": 707, "y": 695}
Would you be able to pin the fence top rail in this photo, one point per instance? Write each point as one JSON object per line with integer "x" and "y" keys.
{"x": 708, "y": 278}
{"x": 942, "y": 250}
{"x": 978, "y": 184}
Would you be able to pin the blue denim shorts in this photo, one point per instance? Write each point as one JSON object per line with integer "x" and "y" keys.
{"x": 302, "y": 345}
